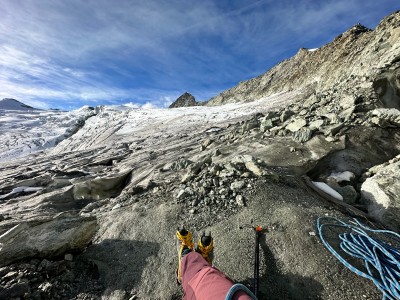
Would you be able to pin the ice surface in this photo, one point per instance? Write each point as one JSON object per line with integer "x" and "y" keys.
{"x": 24, "y": 132}
{"x": 327, "y": 189}
{"x": 342, "y": 176}
{"x": 21, "y": 189}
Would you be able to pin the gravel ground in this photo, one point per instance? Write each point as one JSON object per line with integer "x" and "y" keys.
{"x": 136, "y": 254}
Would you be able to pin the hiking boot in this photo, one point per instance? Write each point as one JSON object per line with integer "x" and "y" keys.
{"x": 184, "y": 246}
{"x": 205, "y": 247}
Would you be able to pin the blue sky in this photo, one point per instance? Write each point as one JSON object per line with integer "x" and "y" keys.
{"x": 66, "y": 54}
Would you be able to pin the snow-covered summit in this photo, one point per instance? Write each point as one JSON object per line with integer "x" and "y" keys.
{"x": 12, "y": 104}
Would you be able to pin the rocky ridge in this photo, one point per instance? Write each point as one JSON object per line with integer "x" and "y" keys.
{"x": 360, "y": 57}
{"x": 127, "y": 184}
{"x": 185, "y": 100}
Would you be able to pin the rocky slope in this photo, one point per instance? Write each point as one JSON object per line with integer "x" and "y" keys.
{"x": 360, "y": 59}
{"x": 95, "y": 217}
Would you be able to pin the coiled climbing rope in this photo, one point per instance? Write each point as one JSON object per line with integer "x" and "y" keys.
{"x": 381, "y": 260}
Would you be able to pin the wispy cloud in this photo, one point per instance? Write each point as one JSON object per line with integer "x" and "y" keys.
{"x": 66, "y": 53}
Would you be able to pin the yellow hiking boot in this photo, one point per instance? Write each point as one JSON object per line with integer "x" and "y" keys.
{"x": 184, "y": 246}
{"x": 205, "y": 247}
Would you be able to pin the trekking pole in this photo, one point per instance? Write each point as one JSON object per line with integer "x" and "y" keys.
{"x": 258, "y": 231}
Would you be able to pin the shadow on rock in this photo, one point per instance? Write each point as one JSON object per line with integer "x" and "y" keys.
{"x": 120, "y": 264}
{"x": 275, "y": 285}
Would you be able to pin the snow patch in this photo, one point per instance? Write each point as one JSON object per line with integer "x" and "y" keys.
{"x": 20, "y": 189}
{"x": 342, "y": 176}
{"x": 327, "y": 189}
{"x": 213, "y": 129}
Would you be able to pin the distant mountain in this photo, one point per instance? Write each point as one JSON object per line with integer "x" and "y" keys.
{"x": 185, "y": 100}
{"x": 12, "y": 104}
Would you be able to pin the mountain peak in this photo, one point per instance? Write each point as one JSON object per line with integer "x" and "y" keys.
{"x": 12, "y": 104}
{"x": 358, "y": 29}
{"x": 185, "y": 100}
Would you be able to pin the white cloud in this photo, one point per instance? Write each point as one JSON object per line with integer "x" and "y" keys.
{"x": 148, "y": 105}
{"x": 149, "y": 51}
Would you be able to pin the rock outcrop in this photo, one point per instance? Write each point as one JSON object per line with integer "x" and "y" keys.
{"x": 185, "y": 100}
{"x": 46, "y": 239}
{"x": 381, "y": 192}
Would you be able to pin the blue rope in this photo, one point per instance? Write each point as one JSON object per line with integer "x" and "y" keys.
{"x": 382, "y": 261}
{"x": 239, "y": 287}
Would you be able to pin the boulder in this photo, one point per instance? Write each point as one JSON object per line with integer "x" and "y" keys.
{"x": 180, "y": 164}
{"x": 303, "y": 135}
{"x": 333, "y": 118}
{"x": 226, "y": 173}
{"x": 266, "y": 124}
{"x": 348, "y": 192}
{"x": 64, "y": 233}
{"x": 381, "y": 193}
{"x": 102, "y": 187}
{"x": 254, "y": 168}
{"x": 310, "y": 101}
{"x": 196, "y": 167}
{"x": 286, "y": 114}
{"x": 241, "y": 159}
{"x": 347, "y": 113}
{"x": 332, "y": 129}
{"x": 237, "y": 185}
{"x": 348, "y": 101}
{"x": 384, "y": 117}
{"x": 240, "y": 200}
{"x": 184, "y": 193}
{"x": 317, "y": 124}
{"x": 296, "y": 124}
{"x": 206, "y": 143}
{"x": 250, "y": 124}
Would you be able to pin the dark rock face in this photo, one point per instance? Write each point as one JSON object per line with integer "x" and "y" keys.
{"x": 387, "y": 88}
{"x": 184, "y": 101}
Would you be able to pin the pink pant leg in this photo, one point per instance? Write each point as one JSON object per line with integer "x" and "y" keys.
{"x": 200, "y": 281}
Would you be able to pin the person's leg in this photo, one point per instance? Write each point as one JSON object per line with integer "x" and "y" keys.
{"x": 201, "y": 281}
{"x": 185, "y": 246}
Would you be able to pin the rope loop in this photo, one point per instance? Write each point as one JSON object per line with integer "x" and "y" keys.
{"x": 381, "y": 259}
